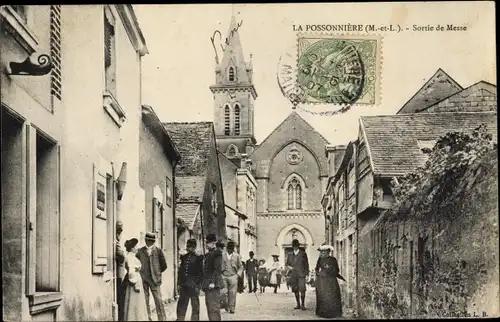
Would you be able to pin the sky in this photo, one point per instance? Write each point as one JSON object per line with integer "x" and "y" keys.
{"x": 180, "y": 67}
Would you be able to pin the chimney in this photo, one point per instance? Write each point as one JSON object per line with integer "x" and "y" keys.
{"x": 335, "y": 154}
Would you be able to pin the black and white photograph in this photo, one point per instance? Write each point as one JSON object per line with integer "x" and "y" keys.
{"x": 270, "y": 161}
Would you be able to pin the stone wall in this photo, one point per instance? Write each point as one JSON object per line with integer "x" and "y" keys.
{"x": 445, "y": 265}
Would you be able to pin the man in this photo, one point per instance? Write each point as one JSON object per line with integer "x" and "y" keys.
{"x": 120, "y": 270}
{"x": 189, "y": 281}
{"x": 232, "y": 267}
{"x": 212, "y": 279}
{"x": 153, "y": 265}
{"x": 251, "y": 267}
{"x": 298, "y": 263}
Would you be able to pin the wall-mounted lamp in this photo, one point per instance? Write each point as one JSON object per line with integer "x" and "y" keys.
{"x": 121, "y": 182}
{"x": 28, "y": 67}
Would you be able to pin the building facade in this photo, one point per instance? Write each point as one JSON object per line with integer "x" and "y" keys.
{"x": 78, "y": 183}
{"x": 158, "y": 158}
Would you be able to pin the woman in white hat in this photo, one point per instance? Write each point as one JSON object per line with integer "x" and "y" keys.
{"x": 328, "y": 300}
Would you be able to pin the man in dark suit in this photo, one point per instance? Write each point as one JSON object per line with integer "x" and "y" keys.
{"x": 251, "y": 267}
{"x": 189, "y": 281}
{"x": 212, "y": 279}
{"x": 120, "y": 271}
{"x": 298, "y": 264}
{"x": 153, "y": 265}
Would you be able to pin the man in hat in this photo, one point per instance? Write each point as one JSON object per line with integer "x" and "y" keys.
{"x": 120, "y": 270}
{"x": 153, "y": 265}
{"x": 212, "y": 278}
{"x": 298, "y": 264}
{"x": 232, "y": 267}
{"x": 189, "y": 281}
{"x": 251, "y": 267}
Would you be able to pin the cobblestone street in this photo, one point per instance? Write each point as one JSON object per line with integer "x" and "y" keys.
{"x": 266, "y": 306}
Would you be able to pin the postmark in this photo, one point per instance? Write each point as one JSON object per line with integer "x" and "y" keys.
{"x": 338, "y": 69}
{"x": 329, "y": 74}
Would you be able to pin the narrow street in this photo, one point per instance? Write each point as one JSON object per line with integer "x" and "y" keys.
{"x": 265, "y": 306}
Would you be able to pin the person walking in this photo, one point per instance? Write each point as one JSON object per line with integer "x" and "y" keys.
{"x": 232, "y": 267}
{"x": 120, "y": 270}
{"x": 328, "y": 299}
{"x": 189, "y": 282}
{"x": 134, "y": 304}
{"x": 251, "y": 267}
{"x": 153, "y": 265}
{"x": 212, "y": 279}
{"x": 298, "y": 264}
{"x": 263, "y": 276}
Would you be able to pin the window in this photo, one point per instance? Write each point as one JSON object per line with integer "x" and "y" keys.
{"x": 227, "y": 120}
{"x": 237, "y": 119}
{"x": 168, "y": 199}
{"x": 231, "y": 151}
{"x": 231, "y": 74}
{"x": 214, "y": 199}
{"x": 109, "y": 51}
{"x": 55, "y": 50}
{"x": 294, "y": 194}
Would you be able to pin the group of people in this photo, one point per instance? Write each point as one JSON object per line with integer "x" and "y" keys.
{"x": 139, "y": 273}
{"x": 219, "y": 275}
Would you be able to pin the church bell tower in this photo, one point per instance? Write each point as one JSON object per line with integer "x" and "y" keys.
{"x": 234, "y": 96}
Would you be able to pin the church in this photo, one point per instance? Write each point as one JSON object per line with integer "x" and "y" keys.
{"x": 289, "y": 168}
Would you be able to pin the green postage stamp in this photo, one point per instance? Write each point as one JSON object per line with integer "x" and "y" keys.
{"x": 338, "y": 69}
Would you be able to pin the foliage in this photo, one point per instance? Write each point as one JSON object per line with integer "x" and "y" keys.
{"x": 448, "y": 160}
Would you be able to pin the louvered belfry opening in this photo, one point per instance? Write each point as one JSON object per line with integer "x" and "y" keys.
{"x": 55, "y": 51}
{"x": 227, "y": 121}
{"x": 237, "y": 119}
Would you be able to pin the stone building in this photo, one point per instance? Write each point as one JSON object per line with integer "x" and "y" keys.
{"x": 389, "y": 146}
{"x": 70, "y": 159}
{"x": 158, "y": 159}
{"x": 276, "y": 185}
{"x": 198, "y": 185}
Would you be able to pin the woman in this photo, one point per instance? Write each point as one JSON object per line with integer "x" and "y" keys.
{"x": 273, "y": 280}
{"x": 328, "y": 301}
{"x": 135, "y": 301}
{"x": 263, "y": 276}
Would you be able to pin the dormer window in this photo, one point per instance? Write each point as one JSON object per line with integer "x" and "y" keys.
{"x": 231, "y": 74}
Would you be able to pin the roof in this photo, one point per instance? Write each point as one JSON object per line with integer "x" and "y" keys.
{"x": 392, "y": 140}
{"x": 151, "y": 120}
{"x": 193, "y": 140}
{"x": 187, "y": 213}
{"x": 190, "y": 188}
{"x": 437, "y": 88}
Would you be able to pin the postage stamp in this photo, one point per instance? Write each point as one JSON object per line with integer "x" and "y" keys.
{"x": 338, "y": 69}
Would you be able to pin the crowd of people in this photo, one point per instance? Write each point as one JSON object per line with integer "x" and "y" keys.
{"x": 220, "y": 275}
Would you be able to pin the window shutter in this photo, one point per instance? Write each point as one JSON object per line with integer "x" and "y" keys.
{"x": 108, "y": 35}
{"x": 55, "y": 50}
{"x": 99, "y": 223}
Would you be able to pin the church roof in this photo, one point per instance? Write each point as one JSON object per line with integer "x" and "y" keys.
{"x": 393, "y": 140}
{"x": 193, "y": 140}
{"x": 437, "y": 88}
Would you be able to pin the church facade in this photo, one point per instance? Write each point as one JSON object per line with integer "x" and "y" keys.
{"x": 289, "y": 168}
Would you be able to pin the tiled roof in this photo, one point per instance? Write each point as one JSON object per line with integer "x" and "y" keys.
{"x": 392, "y": 140}
{"x": 479, "y": 97}
{"x": 437, "y": 88}
{"x": 193, "y": 140}
{"x": 187, "y": 212}
{"x": 190, "y": 189}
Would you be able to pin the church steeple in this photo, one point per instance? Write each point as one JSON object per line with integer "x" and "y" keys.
{"x": 234, "y": 94}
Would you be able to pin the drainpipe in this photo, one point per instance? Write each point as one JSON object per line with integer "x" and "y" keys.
{"x": 176, "y": 242}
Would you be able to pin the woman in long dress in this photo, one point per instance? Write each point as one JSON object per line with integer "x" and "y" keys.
{"x": 263, "y": 276}
{"x": 273, "y": 279}
{"x": 328, "y": 300}
{"x": 135, "y": 300}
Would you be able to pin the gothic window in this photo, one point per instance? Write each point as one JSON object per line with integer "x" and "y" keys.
{"x": 227, "y": 120}
{"x": 231, "y": 151}
{"x": 294, "y": 194}
{"x": 231, "y": 74}
{"x": 237, "y": 119}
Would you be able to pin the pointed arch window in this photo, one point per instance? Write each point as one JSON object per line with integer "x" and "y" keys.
{"x": 237, "y": 119}
{"x": 232, "y": 151}
{"x": 294, "y": 194}
{"x": 227, "y": 120}
{"x": 231, "y": 74}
